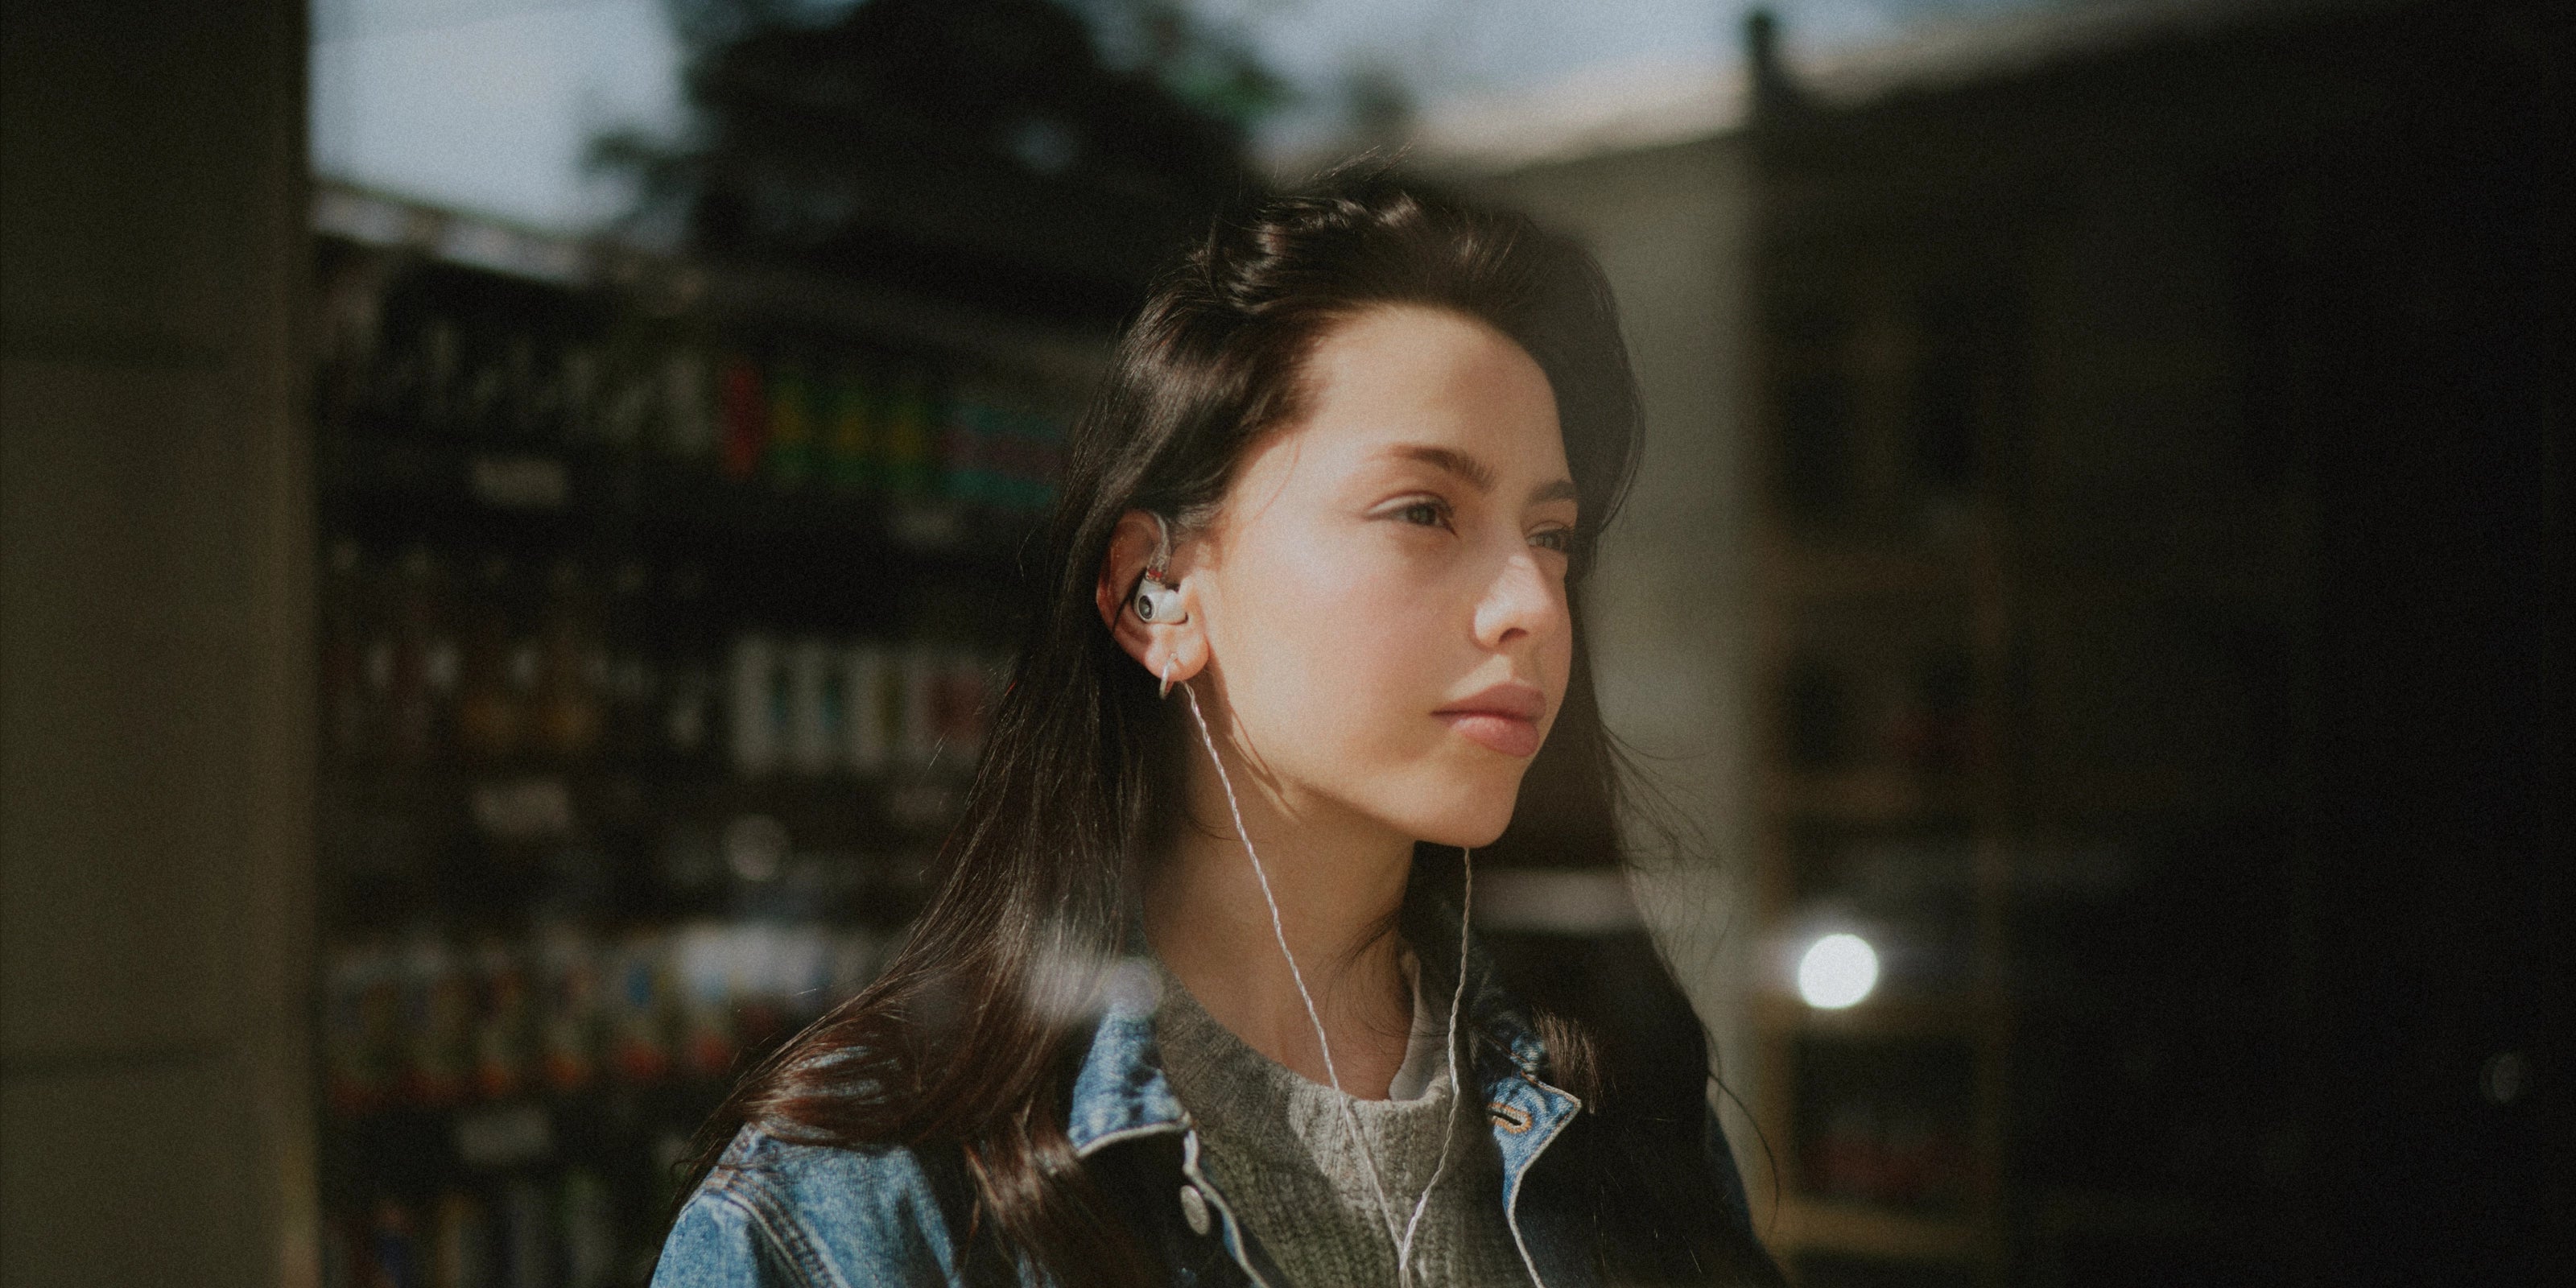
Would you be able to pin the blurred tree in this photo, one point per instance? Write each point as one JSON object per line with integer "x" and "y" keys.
{"x": 1029, "y": 155}
{"x": 1217, "y": 72}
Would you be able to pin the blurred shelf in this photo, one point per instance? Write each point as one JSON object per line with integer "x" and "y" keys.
{"x": 2128, "y": 1214}
{"x": 1879, "y": 794}
{"x": 1970, "y": 1016}
{"x": 394, "y": 487}
{"x": 661, "y": 282}
{"x": 448, "y": 779}
{"x": 2175, "y": 793}
{"x": 557, "y": 916}
{"x": 2199, "y": 585}
{"x": 1790, "y": 569}
{"x": 1825, "y": 1226}
{"x": 1867, "y": 795}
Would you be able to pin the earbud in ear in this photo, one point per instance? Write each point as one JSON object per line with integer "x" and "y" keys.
{"x": 1157, "y": 600}
{"x": 1158, "y": 604}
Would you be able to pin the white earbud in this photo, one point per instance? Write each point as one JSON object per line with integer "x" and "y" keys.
{"x": 1158, "y": 603}
{"x": 1157, "y": 600}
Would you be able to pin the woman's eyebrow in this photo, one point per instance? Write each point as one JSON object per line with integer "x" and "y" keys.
{"x": 1478, "y": 475}
{"x": 1560, "y": 490}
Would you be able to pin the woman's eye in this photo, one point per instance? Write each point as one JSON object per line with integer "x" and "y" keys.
{"x": 1428, "y": 514}
{"x": 1560, "y": 540}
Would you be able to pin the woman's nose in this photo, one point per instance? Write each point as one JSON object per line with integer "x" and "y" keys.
{"x": 1522, "y": 598}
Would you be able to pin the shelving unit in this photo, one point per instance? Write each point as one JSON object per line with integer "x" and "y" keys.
{"x": 1882, "y": 601}
{"x": 661, "y": 606}
{"x": 2027, "y": 587}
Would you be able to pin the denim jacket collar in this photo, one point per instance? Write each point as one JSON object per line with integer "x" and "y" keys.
{"x": 1120, "y": 1094}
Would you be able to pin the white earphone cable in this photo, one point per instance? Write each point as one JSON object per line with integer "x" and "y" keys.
{"x": 1457, "y": 1074}
{"x": 1377, "y": 1185}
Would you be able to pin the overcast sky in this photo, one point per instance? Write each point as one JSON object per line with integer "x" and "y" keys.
{"x": 489, "y": 105}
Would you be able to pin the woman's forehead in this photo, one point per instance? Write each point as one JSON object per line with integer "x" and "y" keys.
{"x": 1412, "y": 384}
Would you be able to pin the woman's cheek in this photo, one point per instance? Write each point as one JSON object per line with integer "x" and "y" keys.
{"x": 1306, "y": 676}
{"x": 1369, "y": 666}
{"x": 1373, "y": 669}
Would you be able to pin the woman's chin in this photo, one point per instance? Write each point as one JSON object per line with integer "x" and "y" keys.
{"x": 1440, "y": 805}
{"x": 1472, "y": 829}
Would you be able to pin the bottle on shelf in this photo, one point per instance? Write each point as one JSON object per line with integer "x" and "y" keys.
{"x": 638, "y": 1008}
{"x": 689, "y": 735}
{"x": 871, "y": 693}
{"x": 630, "y": 688}
{"x": 532, "y": 399}
{"x": 460, "y": 1241}
{"x": 623, "y": 413}
{"x": 423, "y": 663}
{"x": 589, "y": 1229}
{"x": 501, "y": 1021}
{"x": 743, "y": 411}
{"x": 393, "y": 1246}
{"x": 434, "y": 401}
{"x": 566, "y": 704}
{"x": 490, "y": 714}
{"x": 905, "y": 440}
{"x": 361, "y": 1027}
{"x": 756, "y": 704}
{"x": 816, "y": 707}
{"x": 690, "y": 419}
{"x": 438, "y": 1014}
{"x": 789, "y": 452}
{"x": 849, "y": 429}
{"x": 486, "y": 412}
{"x": 581, "y": 384}
{"x": 705, "y": 962}
{"x": 525, "y": 1210}
{"x": 974, "y": 445}
{"x": 569, "y": 1001}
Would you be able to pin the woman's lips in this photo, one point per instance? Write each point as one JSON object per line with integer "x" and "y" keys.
{"x": 1509, "y": 734}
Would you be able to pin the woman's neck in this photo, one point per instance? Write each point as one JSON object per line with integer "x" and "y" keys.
{"x": 1339, "y": 880}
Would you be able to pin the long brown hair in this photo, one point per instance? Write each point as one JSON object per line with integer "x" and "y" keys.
{"x": 963, "y": 1049}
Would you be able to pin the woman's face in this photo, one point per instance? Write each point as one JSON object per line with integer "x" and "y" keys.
{"x": 1383, "y": 592}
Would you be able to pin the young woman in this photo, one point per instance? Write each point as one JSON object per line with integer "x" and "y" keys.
{"x": 1198, "y": 1001}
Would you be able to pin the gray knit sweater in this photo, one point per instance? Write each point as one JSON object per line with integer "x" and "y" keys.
{"x": 1280, "y": 1151}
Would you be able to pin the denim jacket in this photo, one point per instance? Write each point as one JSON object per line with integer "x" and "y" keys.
{"x": 774, "y": 1214}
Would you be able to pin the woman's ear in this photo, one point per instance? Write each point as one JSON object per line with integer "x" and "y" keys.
{"x": 1178, "y": 644}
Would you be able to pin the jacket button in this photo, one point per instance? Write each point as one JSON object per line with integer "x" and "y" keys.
{"x": 1194, "y": 1209}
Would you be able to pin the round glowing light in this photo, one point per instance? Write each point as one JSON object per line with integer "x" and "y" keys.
{"x": 1837, "y": 971}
